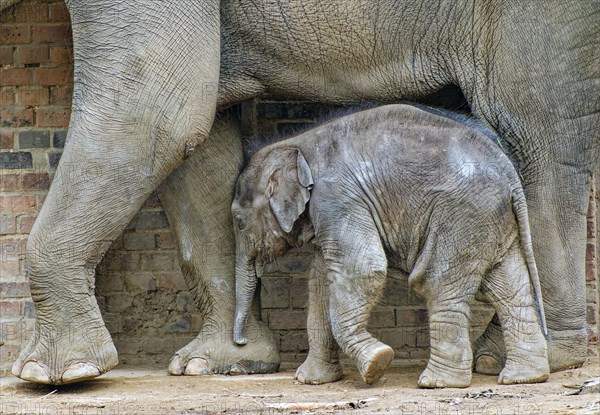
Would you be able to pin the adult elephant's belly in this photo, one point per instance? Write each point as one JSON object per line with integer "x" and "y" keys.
{"x": 332, "y": 52}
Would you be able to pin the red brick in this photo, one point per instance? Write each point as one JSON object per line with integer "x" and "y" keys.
{"x": 53, "y": 117}
{"x": 10, "y": 268}
{"x": 25, "y": 223}
{"x": 8, "y": 224}
{"x": 14, "y": 289}
{"x": 33, "y": 95}
{"x": 31, "y": 12}
{"x": 61, "y": 54}
{"x": 12, "y": 246}
{"x": 51, "y": 33}
{"x": 61, "y": 95}
{"x": 287, "y": 320}
{"x": 140, "y": 281}
{"x": 35, "y": 181}
{"x": 16, "y": 117}
{"x": 591, "y": 271}
{"x": 6, "y": 139}
{"x": 133, "y": 241}
{"x": 171, "y": 281}
{"x": 591, "y": 251}
{"x": 382, "y": 318}
{"x": 53, "y": 76}
{"x": 59, "y": 12}
{"x": 411, "y": 317}
{"x": 17, "y": 204}
{"x": 31, "y": 54}
{"x": 166, "y": 240}
{"x": 152, "y": 201}
{"x": 7, "y": 96}
{"x": 14, "y": 34}
{"x": 9, "y": 182}
{"x": 40, "y": 199}
{"x": 157, "y": 262}
{"x": 124, "y": 261}
{"x": 15, "y": 76}
{"x": 10, "y": 309}
{"x": 9, "y": 353}
{"x": 6, "y": 55}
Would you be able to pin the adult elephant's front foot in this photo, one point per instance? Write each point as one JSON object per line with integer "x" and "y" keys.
{"x": 60, "y": 353}
{"x": 214, "y": 352}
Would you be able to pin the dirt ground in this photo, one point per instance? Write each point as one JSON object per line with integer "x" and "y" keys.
{"x": 132, "y": 390}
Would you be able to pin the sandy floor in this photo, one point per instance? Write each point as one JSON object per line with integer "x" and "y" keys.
{"x": 129, "y": 390}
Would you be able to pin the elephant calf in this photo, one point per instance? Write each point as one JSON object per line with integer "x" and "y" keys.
{"x": 400, "y": 186}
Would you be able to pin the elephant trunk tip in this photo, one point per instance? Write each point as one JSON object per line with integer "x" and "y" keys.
{"x": 240, "y": 340}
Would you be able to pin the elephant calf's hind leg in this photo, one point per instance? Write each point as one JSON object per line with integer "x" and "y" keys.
{"x": 509, "y": 290}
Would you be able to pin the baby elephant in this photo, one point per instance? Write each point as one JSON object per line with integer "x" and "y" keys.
{"x": 397, "y": 186}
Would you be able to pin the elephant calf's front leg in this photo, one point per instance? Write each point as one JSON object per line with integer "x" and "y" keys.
{"x": 357, "y": 268}
{"x": 322, "y": 364}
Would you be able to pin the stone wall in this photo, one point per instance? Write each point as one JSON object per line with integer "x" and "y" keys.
{"x": 140, "y": 288}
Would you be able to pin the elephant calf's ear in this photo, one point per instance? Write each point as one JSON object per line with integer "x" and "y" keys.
{"x": 291, "y": 191}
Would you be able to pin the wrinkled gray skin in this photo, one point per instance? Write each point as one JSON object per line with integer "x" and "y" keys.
{"x": 395, "y": 186}
{"x": 149, "y": 76}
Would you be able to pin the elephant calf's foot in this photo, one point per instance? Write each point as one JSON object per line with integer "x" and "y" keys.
{"x": 216, "y": 353}
{"x": 315, "y": 372}
{"x": 373, "y": 361}
{"x": 66, "y": 354}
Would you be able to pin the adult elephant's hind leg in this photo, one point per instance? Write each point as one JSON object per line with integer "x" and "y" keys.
{"x": 197, "y": 199}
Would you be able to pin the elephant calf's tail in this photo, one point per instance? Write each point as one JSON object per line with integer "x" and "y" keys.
{"x": 520, "y": 211}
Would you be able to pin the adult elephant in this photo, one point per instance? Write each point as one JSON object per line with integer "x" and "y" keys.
{"x": 145, "y": 94}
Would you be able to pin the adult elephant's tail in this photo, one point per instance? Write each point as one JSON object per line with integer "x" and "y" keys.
{"x": 520, "y": 211}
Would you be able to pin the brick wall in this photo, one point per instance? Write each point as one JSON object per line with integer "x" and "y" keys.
{"x": 35, "y": 95}
{"x": 139, "y": 285}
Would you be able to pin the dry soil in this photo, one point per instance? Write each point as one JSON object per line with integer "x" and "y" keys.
{"x": 131, "y": 390}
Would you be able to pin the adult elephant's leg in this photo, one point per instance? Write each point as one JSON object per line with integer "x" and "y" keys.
{"x": 95, "y": 193}
{"x": 197, "y": 199}
{"x": 548, "y": 117}
{"x": 136, "y": 109}
{"x": 557, "y": 208}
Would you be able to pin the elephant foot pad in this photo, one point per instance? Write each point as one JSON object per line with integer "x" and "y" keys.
{"x": 379, "y": 358}
{"x": 205, "y": 356}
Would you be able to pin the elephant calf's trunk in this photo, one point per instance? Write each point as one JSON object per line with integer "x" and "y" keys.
{"x": 245, "y": 286}
{"x": 239, "y": 329}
